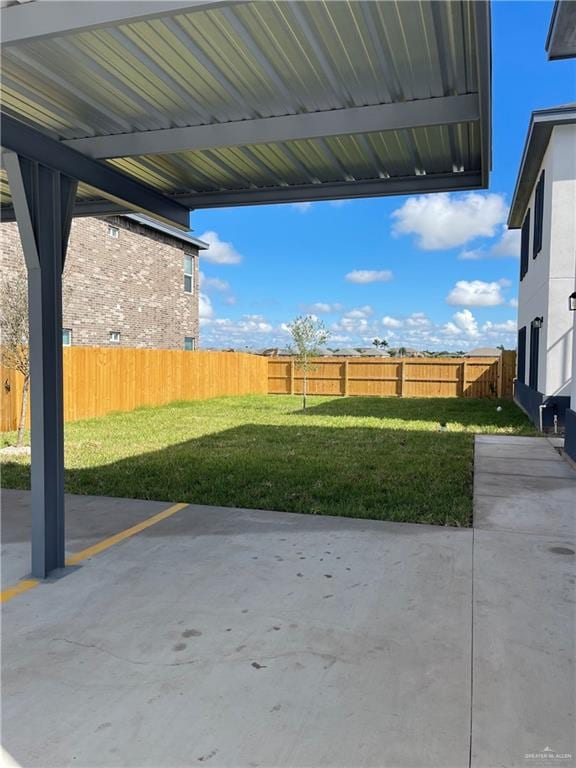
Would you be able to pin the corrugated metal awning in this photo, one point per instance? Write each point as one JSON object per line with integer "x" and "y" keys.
{"x": 225, "y": 103}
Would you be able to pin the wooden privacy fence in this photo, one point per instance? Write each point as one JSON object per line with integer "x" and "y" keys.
{"x": 400, "y": 376}
{"x": 98, "y": 380}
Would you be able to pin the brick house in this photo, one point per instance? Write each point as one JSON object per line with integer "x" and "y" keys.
{"x": 128, "y": 281}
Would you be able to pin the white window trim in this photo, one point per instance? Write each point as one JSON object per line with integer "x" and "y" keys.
{"x": 69, "y": 343}
{"x": 112, "y": 340}
{"x": 189, "y": 274}
{"x": 113, "y": 231}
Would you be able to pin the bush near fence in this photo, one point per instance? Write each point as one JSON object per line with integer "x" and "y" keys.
{"x": 397, "y": 376}
{"x": 99, "y": 380}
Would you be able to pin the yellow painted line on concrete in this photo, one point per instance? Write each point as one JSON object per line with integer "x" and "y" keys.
{"x": 27, "y": 584}
{"x": 18, "y": 589}
{"x": 106, "y": 543}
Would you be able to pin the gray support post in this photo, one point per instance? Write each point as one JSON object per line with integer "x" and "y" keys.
{"x": 43, "y": 202}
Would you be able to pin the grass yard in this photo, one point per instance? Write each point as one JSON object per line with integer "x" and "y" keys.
{"x": 382, "y": 458}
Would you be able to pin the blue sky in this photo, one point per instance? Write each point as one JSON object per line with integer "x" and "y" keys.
{"x": 385, "y": 267}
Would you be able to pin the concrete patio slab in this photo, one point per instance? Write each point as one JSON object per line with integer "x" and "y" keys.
{"x": 88, "y": 519}
{"x": 524, "y": 617}
{"x": 518, "y": 451}
{"x": 246, "y": 638}
{"x": 536, "y": 467}
{"x": 540, "y": 513}
{"x": 524, "y": 629}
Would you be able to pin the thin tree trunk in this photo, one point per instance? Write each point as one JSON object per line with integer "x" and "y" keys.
{"x": 22, "y": 422}
{"x": 304, "y": 391}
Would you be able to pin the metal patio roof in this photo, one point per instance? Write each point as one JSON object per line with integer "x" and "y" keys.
{"x": 227, "y": 103}
{"x": 561, "y": 39}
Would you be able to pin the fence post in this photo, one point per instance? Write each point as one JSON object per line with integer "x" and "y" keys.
{"x": 292, "y": 376}
{"x": 499, "y": 375}
{"x": 345, "y": 378}
{"x": 464, "y": 378}
{"x": 402, "y": 377}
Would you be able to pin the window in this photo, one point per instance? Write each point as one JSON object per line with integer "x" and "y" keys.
{"x": 113, "y": 231}
{"x": 525, "y": 245}
{"x": 115, "y": 337}
{"x": 521, "y": 368}
{"x": 538, "y": 216}
{"x": 188, "y": 273}
{"x": 189, "y": 343}
{"x": 67, "y": 337}
{"x": 534, "y": 352}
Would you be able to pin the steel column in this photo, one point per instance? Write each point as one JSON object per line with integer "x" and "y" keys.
{"x": 43, "y": 202}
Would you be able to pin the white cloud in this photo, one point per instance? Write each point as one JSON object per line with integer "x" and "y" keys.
{"x": 213, "y": 282}
{"x": 301, "y": 207}
{"x": 463, "y": 324}
{"x": 322, "y": 307}
{"x": 418, "y": 320}
{"x": 391, "y": 322}
{"x": 494, "y": 329}
{"x": 447, "y": 221}
{"x": 508, "y": 245}
{"x": 513, "y": 303}
{"x": 205, "y": 308}
{"x": 363, "y": 276}
{"x": 219, "y": 252}
{"x": 476, "y": 293}
{"x": 359, "y": 312}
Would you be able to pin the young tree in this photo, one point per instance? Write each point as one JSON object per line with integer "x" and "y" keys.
{"x": 14, "y": 339}
{"x": 308, "y": 336}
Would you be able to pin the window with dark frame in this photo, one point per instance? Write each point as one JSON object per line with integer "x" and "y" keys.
{"x": 115, "y": 337}
{"x": 188, "y": 273}
{"x": 189, "y": 343}
{"x": 521, "y": 356}
{"x": 534, "y": 353}
{"x": 538, "y": 216}
{"x": 525, "y": 245}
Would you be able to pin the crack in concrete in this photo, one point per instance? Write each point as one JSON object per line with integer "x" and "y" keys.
{"x": 124, "y": 658}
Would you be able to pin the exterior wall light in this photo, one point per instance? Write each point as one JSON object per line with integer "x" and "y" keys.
{"x": 537, "y": 322}
{"x": 572, "y": 302}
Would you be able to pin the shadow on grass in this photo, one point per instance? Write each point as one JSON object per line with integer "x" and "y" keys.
{"x": 363, "y": 472}
{"x": 436, "y": 410}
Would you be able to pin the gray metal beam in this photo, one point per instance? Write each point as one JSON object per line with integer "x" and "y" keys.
{"x": 382, "y": 117}
{"x": 28, "y": 142}
{"x": 482, "y": 16}
{"x": 340, "y": 190}
{"x": 34, "y": 21}
{"x": 43, "y": 200}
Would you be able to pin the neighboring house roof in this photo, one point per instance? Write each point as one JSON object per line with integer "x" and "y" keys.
{"x": 542, "y": 122}
{"x": 484, "y": 352}
{"x": 167, "y": 230}
{"x": 561, "y": 40}
{"x": 345, "y": 352}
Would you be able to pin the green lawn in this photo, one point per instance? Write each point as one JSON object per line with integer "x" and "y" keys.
{"x": 383, "y": 458}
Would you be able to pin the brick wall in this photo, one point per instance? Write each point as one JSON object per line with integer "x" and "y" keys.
{"x": 133, "y": 284}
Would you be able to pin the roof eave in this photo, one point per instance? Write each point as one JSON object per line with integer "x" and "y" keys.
{"x": 542, "y": 122}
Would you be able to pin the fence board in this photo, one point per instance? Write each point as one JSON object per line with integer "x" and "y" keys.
{"x": 99, "y": 380}
{"x": 405, "y": 377}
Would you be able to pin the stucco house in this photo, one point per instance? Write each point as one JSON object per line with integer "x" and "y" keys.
{"x": 544, "y": 209}
{"x": 128, "y": 281}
